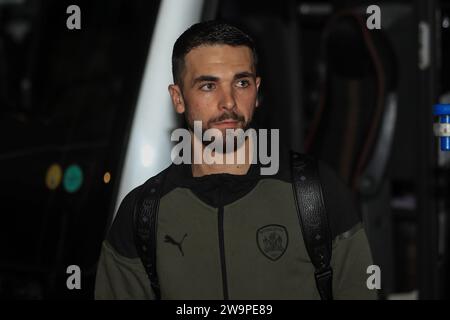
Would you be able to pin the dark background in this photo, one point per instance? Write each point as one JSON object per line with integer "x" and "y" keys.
{"x": 68, "y": 97}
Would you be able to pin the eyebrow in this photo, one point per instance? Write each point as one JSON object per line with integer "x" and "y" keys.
{"x": 209, "y": 78}
{"x": 205, "y": 79}
{"x": 244, "y": 74}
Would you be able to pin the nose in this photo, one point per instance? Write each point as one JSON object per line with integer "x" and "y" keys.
{"x": 228, "y": 100}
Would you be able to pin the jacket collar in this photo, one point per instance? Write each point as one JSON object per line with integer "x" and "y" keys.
{"x": 223, "y": 188}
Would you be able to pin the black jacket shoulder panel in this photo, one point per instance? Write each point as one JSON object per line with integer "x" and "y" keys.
{"x": 339, "y": 201}
{"x": 121, "y": 233}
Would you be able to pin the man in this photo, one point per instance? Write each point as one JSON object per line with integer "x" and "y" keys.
{"x": 225, "y": 231}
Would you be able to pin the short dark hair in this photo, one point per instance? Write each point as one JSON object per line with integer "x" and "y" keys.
{"x": 211, "y": 32}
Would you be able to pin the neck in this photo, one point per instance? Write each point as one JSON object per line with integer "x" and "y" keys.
{"x": 236, "y": 168}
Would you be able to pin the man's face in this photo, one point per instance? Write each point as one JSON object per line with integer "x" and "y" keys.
{"x": 219, "y": 87}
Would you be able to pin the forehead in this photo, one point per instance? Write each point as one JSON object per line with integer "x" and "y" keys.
{"x": 215, "y": 59}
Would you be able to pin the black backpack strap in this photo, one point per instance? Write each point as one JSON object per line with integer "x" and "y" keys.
{"x": 313, "y": 220}
{"x": 145, "y": 224}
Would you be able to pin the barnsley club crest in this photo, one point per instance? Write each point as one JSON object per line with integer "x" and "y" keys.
{"x": 272, "y": 241}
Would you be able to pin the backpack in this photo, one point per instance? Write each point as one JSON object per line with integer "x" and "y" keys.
{"x": 311, "y": 212}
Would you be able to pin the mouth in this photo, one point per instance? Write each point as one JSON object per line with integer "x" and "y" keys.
{"x": 226, "y": 124}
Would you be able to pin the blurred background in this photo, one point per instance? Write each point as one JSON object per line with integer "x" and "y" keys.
{"x": 85, "y": 116}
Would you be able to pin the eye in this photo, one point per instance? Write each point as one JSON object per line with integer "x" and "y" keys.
{"x": 243, "y": 83}
{"x": 208, "y": 87}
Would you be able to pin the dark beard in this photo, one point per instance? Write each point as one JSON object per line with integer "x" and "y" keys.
{"x": 226, "y": 116}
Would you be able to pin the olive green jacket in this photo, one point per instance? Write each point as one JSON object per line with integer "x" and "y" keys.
{"x": 235, "y": 237}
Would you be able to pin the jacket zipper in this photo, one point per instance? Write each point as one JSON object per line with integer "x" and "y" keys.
{"x": 222, "y": 248}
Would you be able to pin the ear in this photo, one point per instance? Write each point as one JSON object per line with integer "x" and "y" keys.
{"x": 258, "y": 82}
{"x": 177, "y": 98}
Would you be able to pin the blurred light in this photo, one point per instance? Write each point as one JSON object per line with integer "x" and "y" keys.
{"x": 73, "y": 178}
{"x": 26, "y": 84}
{"x": 446, "y": 22}
{"x": 107, "y": 177}
{"x": 18, "y": 29}
{"x": 147, "y": 155}
{"x": 53, "y": 177}
{"x": 315, "y": 9}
